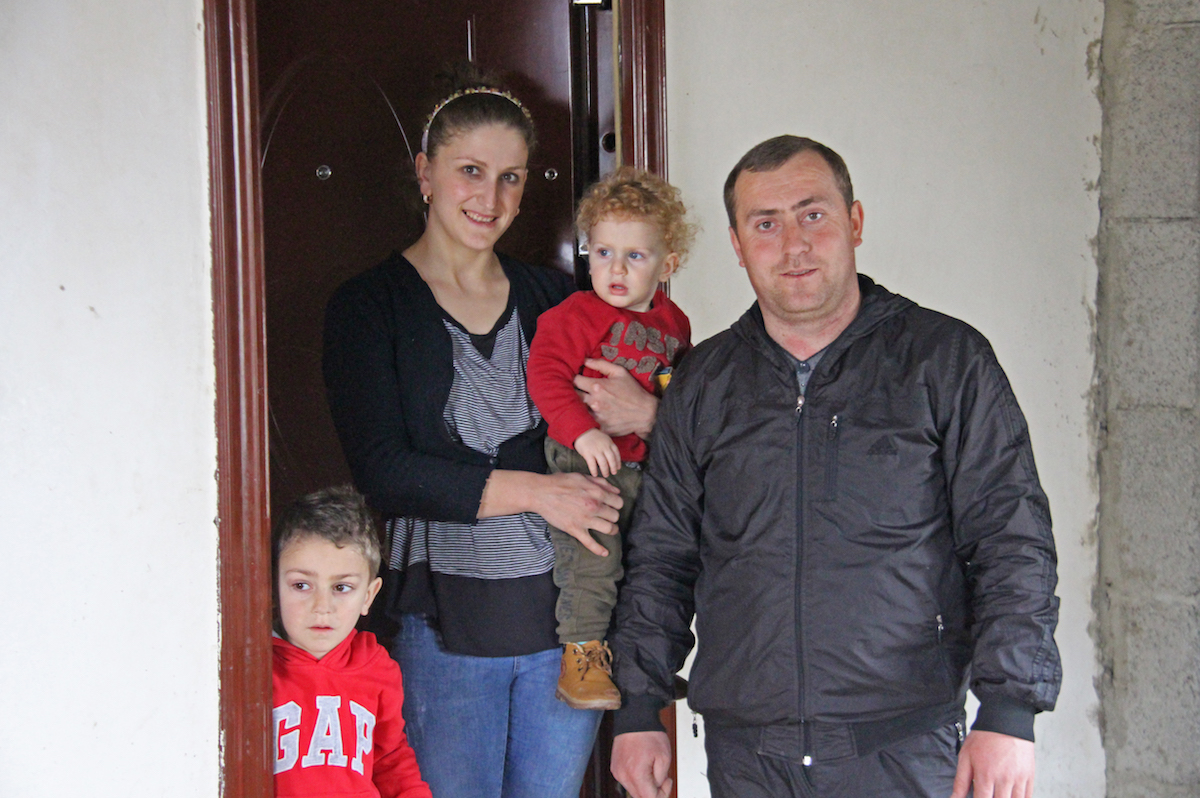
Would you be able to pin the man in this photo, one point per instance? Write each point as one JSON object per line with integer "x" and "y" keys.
{"x": 841, "y": 489}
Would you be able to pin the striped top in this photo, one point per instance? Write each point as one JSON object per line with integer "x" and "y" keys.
{"x": 487, "y": 405}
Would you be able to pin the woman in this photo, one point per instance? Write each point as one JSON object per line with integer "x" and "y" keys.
{"x": 425, "y": 371}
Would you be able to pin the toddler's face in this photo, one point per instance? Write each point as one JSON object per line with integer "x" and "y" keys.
{"x": 628, "y": 259}
{"x": 323, "y": 589}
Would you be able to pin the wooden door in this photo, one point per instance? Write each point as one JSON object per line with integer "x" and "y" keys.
{"x": 345, "y": 88}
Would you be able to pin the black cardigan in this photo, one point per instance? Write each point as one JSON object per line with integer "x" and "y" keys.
{"x": 388, "y": 365}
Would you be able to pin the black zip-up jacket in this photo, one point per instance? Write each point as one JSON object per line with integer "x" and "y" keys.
{"x": 852, "y": 555}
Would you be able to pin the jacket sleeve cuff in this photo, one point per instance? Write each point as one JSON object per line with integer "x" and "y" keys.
{"x": 1005, "y": 715}
{"x": 638, "y": 713}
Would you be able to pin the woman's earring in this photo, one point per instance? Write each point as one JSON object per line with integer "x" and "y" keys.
{"x": 426, "y": 198}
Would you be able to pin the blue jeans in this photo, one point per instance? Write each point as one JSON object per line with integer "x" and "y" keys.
{"x": 490, "y": 727}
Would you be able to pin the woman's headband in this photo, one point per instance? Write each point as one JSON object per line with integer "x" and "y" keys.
{"x": 464, "y": 93}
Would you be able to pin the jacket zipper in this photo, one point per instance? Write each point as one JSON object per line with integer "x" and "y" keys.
{"x": 831, "y": 460}
{"x": 941, "y": 652}
{"x": 802, "y": 677}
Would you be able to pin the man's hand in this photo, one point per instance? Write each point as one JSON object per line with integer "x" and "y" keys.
{"x": 616, "y": 400}
{"x": 998, "y": 765}
{"x": 601, "y": 454}
{"x": 641, "y": 762}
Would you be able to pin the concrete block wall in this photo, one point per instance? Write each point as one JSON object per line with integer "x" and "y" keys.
{"x": 1148, "y": 599}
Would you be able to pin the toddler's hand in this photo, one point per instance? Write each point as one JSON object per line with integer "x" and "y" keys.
{"x": 602, "y": 456}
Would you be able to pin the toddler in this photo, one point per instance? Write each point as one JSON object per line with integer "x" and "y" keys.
{"x": 337, "y": 693}
{"x": 637, "y": 236}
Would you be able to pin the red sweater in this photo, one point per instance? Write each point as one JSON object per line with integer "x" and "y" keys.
{"x": 584, "y": 326}
{"x": 338, "y": 728}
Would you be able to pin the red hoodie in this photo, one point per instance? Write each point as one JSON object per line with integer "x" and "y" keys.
{"x": 338, "y": 728}
{"x": 585, "y": 326}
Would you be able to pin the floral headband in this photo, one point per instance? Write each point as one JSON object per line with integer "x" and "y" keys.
{"x": 464, "y": 93}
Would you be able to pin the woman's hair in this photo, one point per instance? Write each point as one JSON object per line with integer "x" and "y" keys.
{"x": 472, "y": 98}
{"x": 339, "y": 515}
{"x": 635, "y": 194}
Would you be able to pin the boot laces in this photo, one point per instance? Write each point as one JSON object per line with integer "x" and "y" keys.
{"x": 597, "y": 657}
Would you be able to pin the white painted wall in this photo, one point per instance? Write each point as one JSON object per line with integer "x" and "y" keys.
{"x": 107, "y": 442}
{"x": 971, "y": 131}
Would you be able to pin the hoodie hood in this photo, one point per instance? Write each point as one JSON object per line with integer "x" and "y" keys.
{"x": 356, "y": 652}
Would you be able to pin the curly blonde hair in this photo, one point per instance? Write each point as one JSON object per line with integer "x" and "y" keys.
{"x": 630, "y": 193}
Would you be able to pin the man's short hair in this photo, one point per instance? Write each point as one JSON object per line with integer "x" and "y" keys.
{"x": 339, "y": 515}
{"x": 774, "y": 153}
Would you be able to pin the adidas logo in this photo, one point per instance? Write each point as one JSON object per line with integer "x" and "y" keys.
{"x": 883, "y": 446}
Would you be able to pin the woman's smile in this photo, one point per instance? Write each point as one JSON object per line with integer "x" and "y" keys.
{"x": 474, "y": 184}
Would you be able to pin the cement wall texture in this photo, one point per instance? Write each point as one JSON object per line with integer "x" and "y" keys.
{"x": 1149, "y": 384}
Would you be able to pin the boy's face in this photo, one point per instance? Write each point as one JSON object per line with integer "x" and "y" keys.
{"x": 628, "y": 259}
{"x": 323, "y": 590}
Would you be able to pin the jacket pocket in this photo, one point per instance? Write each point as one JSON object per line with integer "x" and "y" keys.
{"x": 947, "y": 675}
{"x": 829, "y": 453}
{"x": 832, "y": 436}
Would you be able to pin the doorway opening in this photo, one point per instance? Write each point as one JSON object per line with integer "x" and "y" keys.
{"x": 253, "y": 469}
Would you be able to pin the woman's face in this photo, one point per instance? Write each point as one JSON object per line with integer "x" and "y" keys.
{"x": 474, "y": 183}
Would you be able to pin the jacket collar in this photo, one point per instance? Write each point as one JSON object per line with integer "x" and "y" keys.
{"x": 877, "y": 306}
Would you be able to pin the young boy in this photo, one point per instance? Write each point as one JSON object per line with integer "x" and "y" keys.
{"x": 337, "y": 693}
{"x": 637, "y": 236}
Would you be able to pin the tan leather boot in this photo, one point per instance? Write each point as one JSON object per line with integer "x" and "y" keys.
{"x": 585, "y": 681}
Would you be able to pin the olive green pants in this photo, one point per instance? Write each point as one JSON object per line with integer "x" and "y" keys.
{"x": 587, "y": 583}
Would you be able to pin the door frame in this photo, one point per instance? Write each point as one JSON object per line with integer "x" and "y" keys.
{"x": 239, "y": 340}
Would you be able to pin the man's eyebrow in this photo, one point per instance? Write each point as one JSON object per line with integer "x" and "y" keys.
{"x": 804, "y": 203}
{"x": 763, "y": 212}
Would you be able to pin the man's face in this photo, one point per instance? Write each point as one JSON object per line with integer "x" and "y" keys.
{"x": 795, "y": 238}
